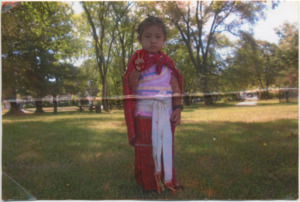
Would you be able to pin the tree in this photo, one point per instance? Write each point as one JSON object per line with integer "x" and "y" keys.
{"x": 123, "y": 46}
{"x": 253, "y": 65}
{"x": 90, "y": 82}
{"x": 176, "y": 50}
{"x": 269, "y": 64}
{"x": 36, "y": 36}
{"x": 287, "y": 55}
{"x": 13, "y": 62}
{"x": 198, "y": 25}
{"x": 105, "y": 20}
{"x": 64, "y": 79}
{"x": 103, "y": 38}
{"x": 125, "y": 32}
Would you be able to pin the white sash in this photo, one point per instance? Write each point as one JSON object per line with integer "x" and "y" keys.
{"x": 162, "y": 136}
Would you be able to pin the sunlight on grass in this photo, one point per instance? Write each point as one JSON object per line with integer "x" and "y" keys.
{"x": 221, "y": 152}
{"x": 241, "y": 114}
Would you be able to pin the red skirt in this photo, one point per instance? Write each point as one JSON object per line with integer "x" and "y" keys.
{"x": 144, "y": 164}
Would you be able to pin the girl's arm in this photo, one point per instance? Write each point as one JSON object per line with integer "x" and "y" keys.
{"x": 134, "y": 79}
{"x": 177, "y": 98}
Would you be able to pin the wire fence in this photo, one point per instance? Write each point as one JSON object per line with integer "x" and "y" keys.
{"x": 284, "y": 95}
{"x": 287, "y": 95}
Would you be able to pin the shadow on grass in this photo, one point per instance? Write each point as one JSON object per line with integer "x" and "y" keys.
{"x": 240, "y": 160}
{"x": 79, "y": 159}
{"x": 66, "y": 159}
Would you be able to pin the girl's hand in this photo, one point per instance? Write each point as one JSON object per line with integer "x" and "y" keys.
{"x": 134, "y": 79}
{"x": 139, "y": 62}
{"x": 176, "y": 117}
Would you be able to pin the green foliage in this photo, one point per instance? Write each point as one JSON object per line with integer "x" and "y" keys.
{"x": 200, "y": 22}
{"x": 182, "y": 62}
{"x": 37, "y": 41}
{"x": 41, "y": 41}
{"x": 253, "y": 65}
{"x": 288, "y": 60}
{"x": 99, "y": 15}
{"x": 260, "y": 64}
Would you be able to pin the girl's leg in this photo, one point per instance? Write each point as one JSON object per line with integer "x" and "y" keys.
{"x": 144, "y": 164}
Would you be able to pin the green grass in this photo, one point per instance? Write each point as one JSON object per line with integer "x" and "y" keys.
{"x": 221, "y": 152}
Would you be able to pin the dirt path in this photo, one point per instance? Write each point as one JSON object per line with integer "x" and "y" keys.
{"x": 248, "y": 103}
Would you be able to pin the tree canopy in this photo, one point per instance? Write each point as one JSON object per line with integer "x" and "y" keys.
{"x": 41, "y": 41}
{"x": 37, "y": 43}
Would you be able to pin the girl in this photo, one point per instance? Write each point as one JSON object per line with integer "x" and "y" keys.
{"x": 152, "y": 105}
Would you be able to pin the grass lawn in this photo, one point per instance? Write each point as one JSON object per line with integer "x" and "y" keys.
{"x": 221, "y": 152}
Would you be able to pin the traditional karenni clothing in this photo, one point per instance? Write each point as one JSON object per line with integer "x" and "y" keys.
{"x": 153, "y": 87}
{"x": 144, "y": 163}
{"x": 140, "y": 129}
{"x": 156, "y": 91}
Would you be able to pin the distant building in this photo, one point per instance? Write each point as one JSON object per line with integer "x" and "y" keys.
{"x": 249, "y": 95}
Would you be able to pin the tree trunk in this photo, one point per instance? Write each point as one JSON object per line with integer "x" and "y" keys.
{"x": 39, "y": 107}
{"x": 187, "y": 100}
{"x": 104, "y": 97}
{"x": 98, "y": 108}
{"x": 286, "y": 96}
{"x": 208, "y": 99}
{"x": 267, "y": 93}
{"x": 14, "y": 110}
{"x": 267, "y": 88}
{"x": 55, "y": 104}
{"x": 105, "y": 104}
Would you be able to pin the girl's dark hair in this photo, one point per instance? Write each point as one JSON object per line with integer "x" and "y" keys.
{"x": 149, "y": 21}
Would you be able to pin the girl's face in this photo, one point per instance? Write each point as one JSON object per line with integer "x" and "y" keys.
{"x": 152, "y": 39}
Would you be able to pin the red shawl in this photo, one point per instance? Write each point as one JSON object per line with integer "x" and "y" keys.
{"x": 129, "y": 96}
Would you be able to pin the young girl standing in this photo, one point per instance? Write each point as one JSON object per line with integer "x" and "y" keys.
{"x": 152, "y": 105}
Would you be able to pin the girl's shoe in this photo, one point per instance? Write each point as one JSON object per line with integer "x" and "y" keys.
{"x": 170, "y": 186}
{"x": 157, "y": 179}
{"x": 179, "y": 187}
